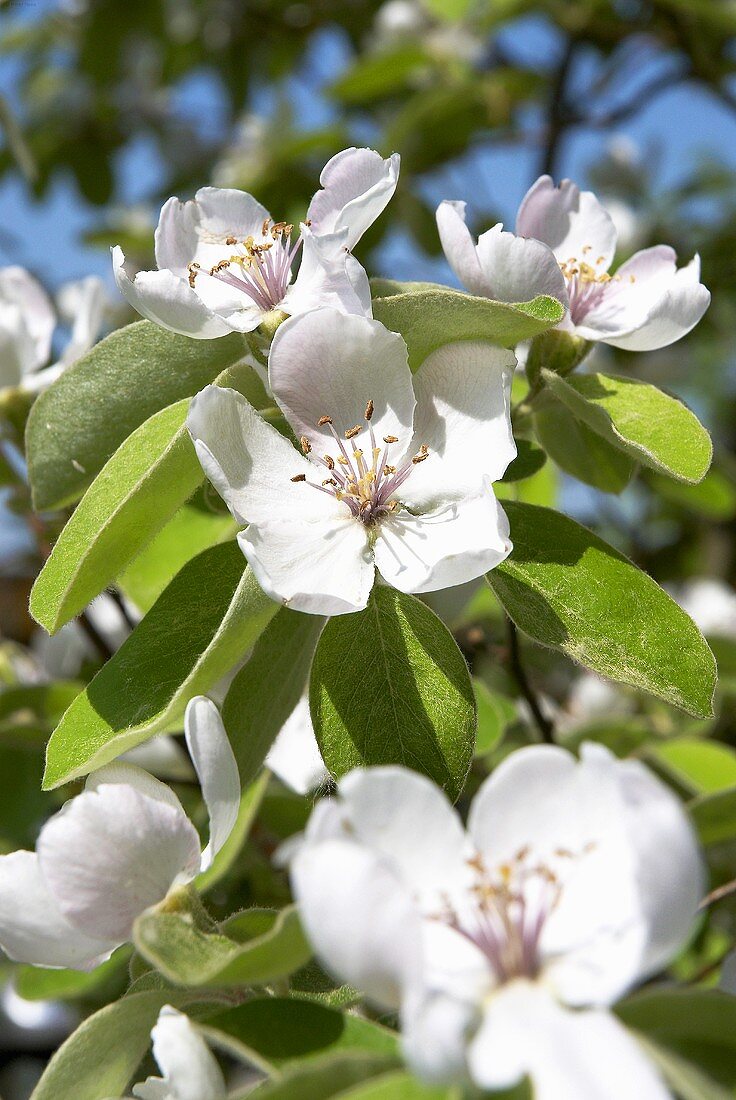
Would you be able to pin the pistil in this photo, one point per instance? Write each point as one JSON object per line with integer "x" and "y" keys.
{"x": 259, "y": 270}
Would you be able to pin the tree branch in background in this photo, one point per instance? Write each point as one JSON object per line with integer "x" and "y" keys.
{"x": 544, "y": 725}
{"x": 557, "y": 112}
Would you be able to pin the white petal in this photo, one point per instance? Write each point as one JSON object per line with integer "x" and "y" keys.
{"x": 189, "y": 1067}
{"x": 327, "y": 364}
{"x": 121, "y": 772}
{"x": 167, "y": 300}
{"x": 408, "y": 820}
{"x": 19, "y": 288}
{"x": 18, "y": 355}
{"x": 216, "y": 770}
{"x": 518, "y": 268}
{"x": 459, "y": 247}
{"x": 452, "y": 963}
{"x": 711, "y": 604}
{"x": 323, "y": 567}
{"x": 357, "y": 187}
{"x": 82, "y": 304}
{"x": 675, "y": 314}
{"x": 359, "y": 278}
{"x": 32, "y": 930}
{"x": 570, "y": 221}
{"x": 294, "y": 756}
{"x": 359, "y": 918}
{"x": 251, "y": 464}
{"x": 197, "y": 231}
{"x": 434, "y": 1037}
{"x": 111, "y": 853}
{"x": 567, "y": 1055}
{"x": 324, "y": 279}
{"x": 455, "y": 543}
{"x": 463, "y": 415}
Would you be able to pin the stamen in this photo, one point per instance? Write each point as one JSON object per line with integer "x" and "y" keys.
{"x": 324, "y": 420}
{"x": 231, "y": 240}
{"x": 329, "y": 462}
{"x": 306, "y": 445}
{"x": 351, "y": 432}
{"x": 368, "y": 414}
{"x": 390, "y": 439}
{"x": 299, "y": 477}
{"x": 192, "y": 268}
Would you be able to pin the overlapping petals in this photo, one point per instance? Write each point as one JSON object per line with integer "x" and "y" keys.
{"x": 112, "y": 852}
{"x": 189, "y": 1069}
{"x": 394, "y": 471}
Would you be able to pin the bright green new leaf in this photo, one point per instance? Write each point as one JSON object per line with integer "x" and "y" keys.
{"x": 400, "y": 1085}
{"x": 80, "y": 421}
{"x": 198, "y": 629}
{"x": 577, "y": 449}
{"x": 703, "y": 767}
{"x": 98, "y": 1060}
{"x": 568, "y": 589}
{"x": 268, "y": 687}
{"x": 188, "y": 955}
{"x": 390, "y": 686}
{"x": 428, "y": 316}
{"x": 648, "y": 425}
{"x": 495, "y": 714}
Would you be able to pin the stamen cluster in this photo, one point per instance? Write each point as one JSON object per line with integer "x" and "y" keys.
{"x": 586, "y": 285}
{"x": 362, "y": 476}
{"x": 261, "y": 270}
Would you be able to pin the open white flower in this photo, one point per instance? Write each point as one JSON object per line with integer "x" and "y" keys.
{"x": 113, "y": 851}
{"x": 503, "y": 946}
{"x": 190, "y": 1070}
{"x": 223, "y": 263}
{"x": 710, "y": 603}
{"x": 564, "y": 246}
{"x": 396, "y": 471}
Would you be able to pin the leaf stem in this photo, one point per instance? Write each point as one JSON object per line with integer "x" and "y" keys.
{"x": 544, "y": 725}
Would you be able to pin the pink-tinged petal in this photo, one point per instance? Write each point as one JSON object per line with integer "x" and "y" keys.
{"x": 294, "y": 756}
{"x": 190, "y": 1071}
{"x": 167, "y": 300}
{"x": 434, "y": 1037}
{"x": 216, "y": 770}
{"x": 457, "y": 542}
{"x": 198, "y": 230}
{"x": 626, "y": 301}
{"x": 324, "y": 567}
{"x": 459, "y": 247}
{"x": 357, "y": 186}
{"x": 567, "y": 1055}
{"x": 463, "y": 394}
{"x": 409, "y": 822}
{"x": 327, "y": 364}
{"x": 32, "y": 930}
{"x": 251, "y": 464}
{"x": 324, "y": 279}
{"x": 19, "y": 288}
{"x": 570, "y": 221}
{"x": 111, "y": 853}
{"x": 360, "y": 919}
{"x": 518, "y": 269}
{"x": 675, "y": 314}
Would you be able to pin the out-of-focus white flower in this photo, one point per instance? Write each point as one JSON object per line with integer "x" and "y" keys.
{"x": 294, "y": 756}
{"x": 113, "y": 851}
{"x": 189, "y": 1069}
{"x": 591, "y": 699}
{"x": 224, "y": 264}
{"x": 396, "y": 472}
{"x": 27, "y": 322}
{"x": 503, "y": 946}
{"x": 710, "y": 603}
{"x": 61, "y": 655}
{"x": 564, "y": 246}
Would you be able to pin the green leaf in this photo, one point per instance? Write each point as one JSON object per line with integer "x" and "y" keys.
{"x": 577, "y": 449}
{"x": 377, "y": 75}
{"x": 495, "y": 715}
{"x": 714, "y": 497}
{"x": 399, "y": 1085}
{"x": 714, "y": 816}
{"x": 429, "y": 316}
{"x": 320, "y": 1079}
{"x": 529, "y": 459}
{"x": 282, "y": 1029}
{"x": 36, "y": 983}
{"x": 650, "y": 426}
{"x": 198, "y": 629}
{"x": 701, "y": 766}
{"x": 569, "y": 590}
{"x": 697, "y": 1027}
{"x": 186, "y": 954}
{"x": 79, "y": 1071}
{"x": 390, "y": 686}
{"x": 268, "y": 687}
{"x": 80, "y": 421}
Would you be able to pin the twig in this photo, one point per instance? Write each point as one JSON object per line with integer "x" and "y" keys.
{"x": 120, "y": 602}
{"x": 94, "y": 636}
{"x": 558, "y": 111}
{"x": 544, "y": 725}
{"x": 718, "y": 894}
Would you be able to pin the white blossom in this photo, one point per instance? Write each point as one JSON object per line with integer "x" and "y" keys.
{"x": 113, "y": 851}
{"x": 564, "y": 246}
{"x": 503, "y": 946}
{"x": 395, "y": 473}
{"x": 223, "y": 264}
{"x": 188, "y": 1067}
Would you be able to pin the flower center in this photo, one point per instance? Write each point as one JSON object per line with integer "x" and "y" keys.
{"x": 587, "y": 283}
{"x": 361, "y": 474}
{"x": 261, "y": 270}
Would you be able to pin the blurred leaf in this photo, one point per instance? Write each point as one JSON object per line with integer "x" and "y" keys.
{"x": 400, "y": 1085}
{"x": 378, "y": 75}
{"x": 702, "y": 766}
{"x": 495, "y": 714}
{"x": 529, "y": 459}
{"x": 36, "y": 983}
{"x": 198, "y": 629}
{"x": 577, "y": 449}
{"x": 714, "y": 497}
{"x": 390, "y": 686}
{"x": 567, "y": 589}
{"x": 714, "y": 816}
{"x": 81, "y": 420}
{"x": 651, "y": 427}
{"x": 322, "y": 1078}
{"x": 429, "y": 316}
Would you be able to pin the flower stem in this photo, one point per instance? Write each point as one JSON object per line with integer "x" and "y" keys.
{"x": 544, "y": 725}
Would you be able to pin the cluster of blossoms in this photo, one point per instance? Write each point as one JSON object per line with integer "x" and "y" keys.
{"x": 502, "y": 947}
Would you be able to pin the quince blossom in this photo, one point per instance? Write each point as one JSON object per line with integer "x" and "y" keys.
{"x": 113, "y": 851}
{"x": 502, "y": 946}
{"x": 224, "y": 264}
{"x": 394, "y": 472}
{"x": 564, "y": 246}
{"x": 190, "y": 1070}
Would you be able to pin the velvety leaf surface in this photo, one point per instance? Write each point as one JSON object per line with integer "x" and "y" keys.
{"x": 578, "y": 450}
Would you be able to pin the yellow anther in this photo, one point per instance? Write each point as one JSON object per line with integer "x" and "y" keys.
{"x": 299, "y": 477}
{"x": 368, "y": 410}
{"x": 306, "y": 445}
{"x": 352, "y": 432}
{"x": 390, "y": 439}
{"x": 324, "y": 420}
